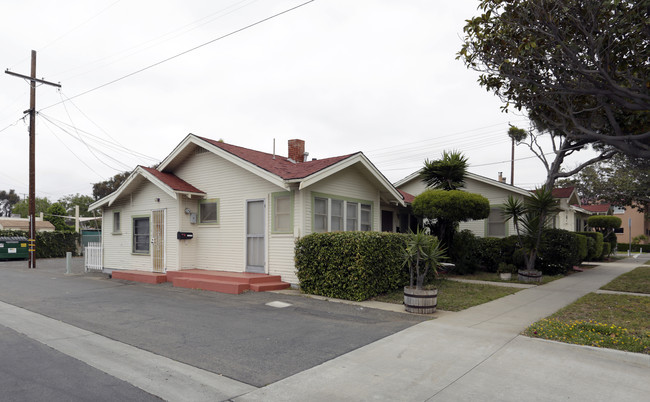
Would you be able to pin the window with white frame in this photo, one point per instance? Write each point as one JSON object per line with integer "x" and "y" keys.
{"x": 141, "y": 235}
{"x": 116, "y": 222}
{"x": 209, "y": 211}
{"x": 496, "y": 224}
{"x": 282, "y": 213}
{"x": 335, "y": 214}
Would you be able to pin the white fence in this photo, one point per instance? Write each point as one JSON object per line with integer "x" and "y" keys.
{"x": 93, "y": 256}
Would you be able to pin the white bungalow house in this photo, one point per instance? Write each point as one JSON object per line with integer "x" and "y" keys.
{"x": 496, "y": 191}
{"x": 572, "y": 216}
{"x": 216, "y": 206}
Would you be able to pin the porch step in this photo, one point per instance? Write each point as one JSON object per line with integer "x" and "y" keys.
{"x": 140, "y": 276}
{"x": 215, "y": 285}
{"x": 216, "y": 281}
{"x": 266, "y": 286}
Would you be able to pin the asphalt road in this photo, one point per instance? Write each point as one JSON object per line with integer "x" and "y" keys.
{"x": 238, "y": 336}
{"x": 31, "y": 371}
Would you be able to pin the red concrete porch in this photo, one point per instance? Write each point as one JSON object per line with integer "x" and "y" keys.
{"x": 217, "y": 281}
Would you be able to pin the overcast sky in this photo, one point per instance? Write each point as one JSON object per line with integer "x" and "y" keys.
{"x": 374, "y": 76}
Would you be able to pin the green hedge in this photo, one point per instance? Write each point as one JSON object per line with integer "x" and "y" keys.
{"x": 559, "y": 251}
{"x": 464, "y": 252}
{"x": 50, "y": 244}
{"x": 595, "y": 252}
{"x": 351, "y": 265}
{"x": 624, "y": 247}
{"x": 582, "y": 247}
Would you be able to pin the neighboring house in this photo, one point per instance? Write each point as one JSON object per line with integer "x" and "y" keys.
{"x": 599, "y": 209}
{"x": 495, "y": 191}
{"x": 23, "y": 224}
{"x": 572, "y": 216}
{"x": 633, "y": 223}
{"x": 243, "y": 209}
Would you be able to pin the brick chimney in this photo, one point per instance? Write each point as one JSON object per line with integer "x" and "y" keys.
{"x": 297, "y": 150}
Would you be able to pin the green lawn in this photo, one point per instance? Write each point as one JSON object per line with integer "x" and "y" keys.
{"x": 602, "y": 320}
{"x": 636, "y": 281}
{"x": 456, "y": 296}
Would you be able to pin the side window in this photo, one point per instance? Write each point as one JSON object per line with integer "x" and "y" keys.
{"x": 320, "y": 214}
{"x": 116, "y": 222}
{"x": 209, "y": 211}
{"x": 351, "y": 222}
{"x": 141, "y": 235}
{"x": 282, "y": 213}
{"x": 496, "y": 223}
{"x": 336, "y": 221}
{"x": 366, "y": 218}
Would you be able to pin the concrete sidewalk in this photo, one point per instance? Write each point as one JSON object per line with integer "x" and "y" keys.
{"x": 478, "y": 354}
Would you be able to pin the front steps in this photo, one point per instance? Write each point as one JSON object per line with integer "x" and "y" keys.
{"x": 216, "y": 281}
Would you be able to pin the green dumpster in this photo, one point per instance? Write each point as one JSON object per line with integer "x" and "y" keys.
{"x": 14, "y": 248}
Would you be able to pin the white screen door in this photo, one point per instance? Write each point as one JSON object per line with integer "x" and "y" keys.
{"x": 158, "y": 240}
{"x": 255, "y": 254}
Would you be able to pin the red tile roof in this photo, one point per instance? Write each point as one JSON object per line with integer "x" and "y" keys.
{"x": 173, "y": 181}
{"x": 408, "y": 198}
{"x": 597, "y": 208}
{"x": 280, "y": 165}
{"x": 564, "y": 192}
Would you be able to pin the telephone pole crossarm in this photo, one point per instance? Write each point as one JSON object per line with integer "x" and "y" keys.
{"x": 27, "y": 77}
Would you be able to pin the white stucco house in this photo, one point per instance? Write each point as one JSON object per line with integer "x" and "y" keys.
{"x": 572, "y": 216}
{"x": 496, "y": 191}
{"x": 216, "y": 206}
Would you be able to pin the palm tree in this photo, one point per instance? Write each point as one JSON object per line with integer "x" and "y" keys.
{"x": 530, "y": 217}
{"x": 447, "y": 173}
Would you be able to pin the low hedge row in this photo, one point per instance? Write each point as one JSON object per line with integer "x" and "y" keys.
{"x": 595, "y": 251}
{"x": 624, "y": 247}
{"x": 351, "y": 265}
{"x": 49, "y": 244}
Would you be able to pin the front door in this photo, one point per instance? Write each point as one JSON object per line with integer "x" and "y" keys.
{"x": 158, "y": 240}
{"x": 255, "y": 244}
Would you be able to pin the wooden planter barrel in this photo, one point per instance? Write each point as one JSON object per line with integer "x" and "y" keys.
{"x": 420, "y": 301}
{"x": 530, "y": 276}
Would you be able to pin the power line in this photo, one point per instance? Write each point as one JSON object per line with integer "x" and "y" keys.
{"x": 185, "y": 52}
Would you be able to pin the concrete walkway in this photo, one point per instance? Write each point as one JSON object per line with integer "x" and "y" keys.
{"x": 478, "y": 354}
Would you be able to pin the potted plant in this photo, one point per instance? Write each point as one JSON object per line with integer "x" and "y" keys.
{"x": 423, "y": 254}
{"x": 506, "y": 270}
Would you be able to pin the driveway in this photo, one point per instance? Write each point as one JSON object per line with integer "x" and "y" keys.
{"x": 238, "y": 336}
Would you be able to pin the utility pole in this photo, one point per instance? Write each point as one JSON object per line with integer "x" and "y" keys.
{"x": 32, "y": 153}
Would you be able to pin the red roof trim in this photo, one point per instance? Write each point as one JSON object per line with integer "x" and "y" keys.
{"x": 564, "y": 192}
{"x": 597, "y": 208}
{"x": 176, "y": 183}
{"x": 408, "y": 198}
{"x": 278, "y": 165}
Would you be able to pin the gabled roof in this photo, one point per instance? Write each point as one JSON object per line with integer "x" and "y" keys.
{"x": 278, "y": 165}
{"x": 281, "y": 170}
{"x": 563, "y": 192}
{"x": 469, "y": 175}
{"x": 408, "y": 198}
{"x": 598, "y": 208}
{"x": 167, "y": 182}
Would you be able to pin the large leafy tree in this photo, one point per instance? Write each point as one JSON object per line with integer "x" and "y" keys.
{"x": 56, "y": 216}
{"x": 621, "y": 181}
{"x": 7, "y": 200}
{"x": 579, "y": 68}
{"x": 22, "y": 207}
{"x": 103, "y": 188}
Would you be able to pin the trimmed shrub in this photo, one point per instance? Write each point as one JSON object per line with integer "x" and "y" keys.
{"x": 624, "y": 247}
{"x": 489, "y": 253}
{"x": 464, "y": 252}
{"x": 50, "y": 244}
{"x": 558, "y": 251}
{"x": 351, "y": 265}
{"x": 582, "y": 247}
{"x": 509, "y": 247}
{"x": 607, "y": 250}
{"x": 595, "y": 252}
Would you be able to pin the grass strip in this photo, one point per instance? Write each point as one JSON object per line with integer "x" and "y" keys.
{"x": 455, "y": 296}
{"x": 636, "y": 281}
{"x": 494, "y": 277}
{"x": 602, "y": 320}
